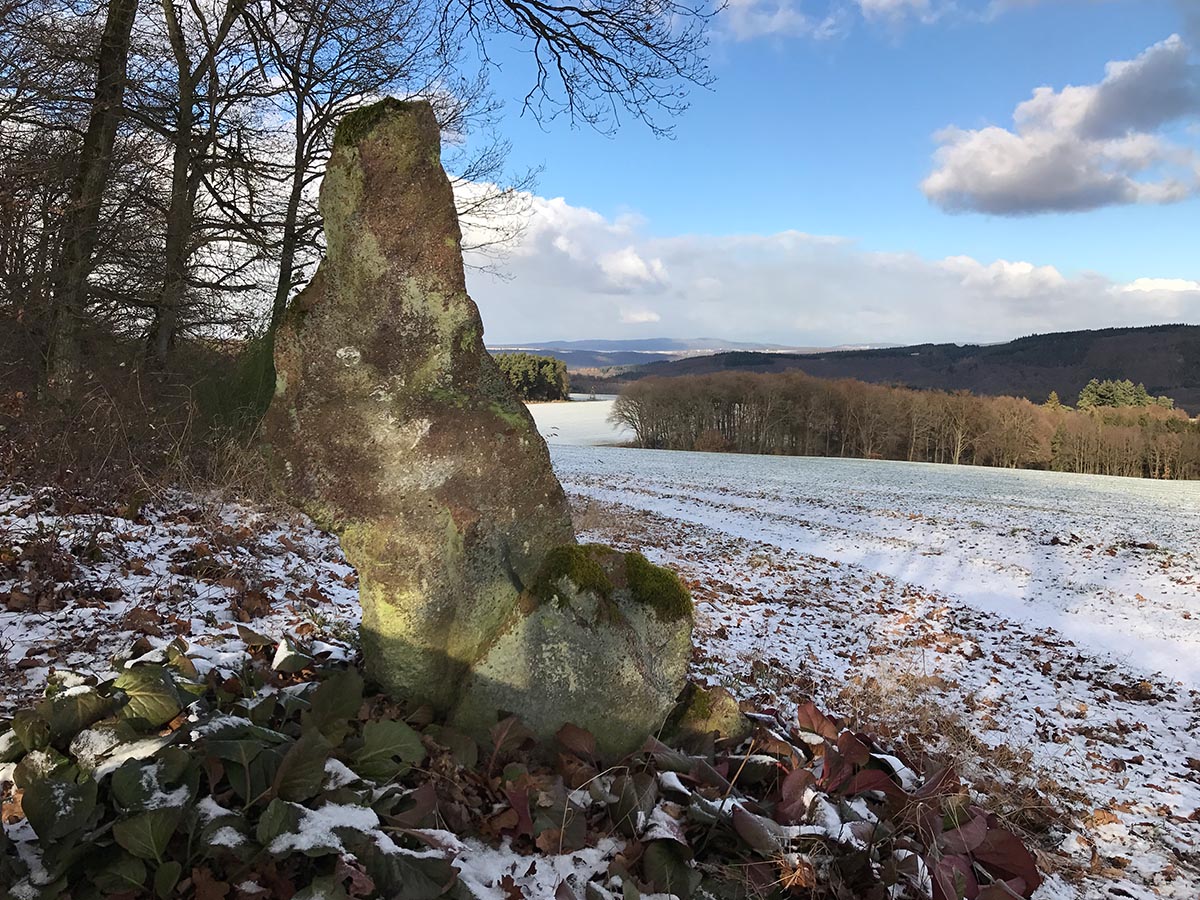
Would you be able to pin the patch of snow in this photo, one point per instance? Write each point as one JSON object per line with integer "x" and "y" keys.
{"x": 227, "y": 836}
{"x": 316, "y": 828}
{"x": 338, "y": 774}
{"x": 209, "y": 809}
{"x": 134, "y": 750}
{"x": 482, "y": 868}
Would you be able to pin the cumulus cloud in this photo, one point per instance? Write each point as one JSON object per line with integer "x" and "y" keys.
{"x": 576, "y": 274}
{"x": 1162, "y": 285}
{"x": 627, "y": 270}
{"x": 1081, "y": 147}
{"x": 745, "y": 20}
{"x": 639, "y": 316}
{"x": 893, "y": 10}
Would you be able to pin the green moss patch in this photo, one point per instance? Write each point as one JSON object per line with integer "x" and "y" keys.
{"x": 658, "y": 588}
{"x": 578, "y": 563}
{"x": 356, "y": 125}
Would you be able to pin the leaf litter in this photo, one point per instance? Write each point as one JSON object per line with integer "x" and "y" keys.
{"x": 780, "y": 630}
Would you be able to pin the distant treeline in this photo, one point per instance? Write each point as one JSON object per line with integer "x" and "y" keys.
{"x": 1118, "y": 429}
{"x": 536, "y": 377}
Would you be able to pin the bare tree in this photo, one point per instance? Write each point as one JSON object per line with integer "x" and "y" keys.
{"x": 81, "y": 225}
{"x": 594, "y": 60}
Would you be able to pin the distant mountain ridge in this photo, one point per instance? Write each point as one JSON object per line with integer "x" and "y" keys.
{"x": 600, "y": 354}
{"x": 654, "y": 345}
{"x": 1165, "y": 358}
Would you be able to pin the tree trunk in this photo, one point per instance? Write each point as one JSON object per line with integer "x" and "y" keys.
{"x": 179, "y": 228}
{"x": 180, "y": 210}
{"x": 287, "y": 254}
{"x": 87, "y": 193}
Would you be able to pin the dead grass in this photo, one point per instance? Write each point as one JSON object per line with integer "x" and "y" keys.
{"x": 921, "y": 715}
{"x": 590, "y": 515}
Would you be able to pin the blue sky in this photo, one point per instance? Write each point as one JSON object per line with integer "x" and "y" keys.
{"x": 834, "y": 136}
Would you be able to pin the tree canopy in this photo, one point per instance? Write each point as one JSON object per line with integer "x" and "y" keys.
{"x": 536, "y": 377}
{"x": 1111, "y": 393}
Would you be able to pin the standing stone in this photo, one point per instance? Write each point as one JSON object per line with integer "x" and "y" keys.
{"x": 394, "y": 428}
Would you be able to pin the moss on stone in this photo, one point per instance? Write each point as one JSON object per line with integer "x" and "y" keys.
{"x": 703, "y": 714}
{"x": 658, "y": 588}
{"x": 356, "y": 125}
{"x": 515, "y": 419}
{"x": 467, "y": 338}
{"x": 578, "y": 563}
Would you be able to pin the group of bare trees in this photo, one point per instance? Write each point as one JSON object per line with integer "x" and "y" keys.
{"x": 796, "y": 414}
{"x": 159, "y": 161}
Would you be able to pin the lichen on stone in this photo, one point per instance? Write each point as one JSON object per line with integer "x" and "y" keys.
{"x": 657, "y": 588}
{"x": 356, "y": 125}
{"x": 396, "y": 429}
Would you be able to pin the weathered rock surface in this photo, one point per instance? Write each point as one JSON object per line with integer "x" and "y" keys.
{"x": 394, "y": 428}
{"x": 604, "y": 643}
{"x": 705, "y": 715}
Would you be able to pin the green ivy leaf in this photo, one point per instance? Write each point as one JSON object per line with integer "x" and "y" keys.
{"x": 173, "y": 764}
{"x": 280, "y": 817}
{"x": 178, "y": 660}
{"x": 91, "y": 746}
{"x": 389, "y": 749}
{"x": 69, "y": 714}
{"x": 249, "y": 765}
{"x": 153, "y": 697}
{"x": 129, "y": 789}
{"x": 31, "y": 730}
{"x": 326, "y": 887}
{"x": 125, "y": 873}
{"x": 665, "y": 867}
{"x": 302, "y": 770}
{"x": 335, "y": 701}
{"x": 398, "y": 874}
{"x": 166, "y": 878}
{"x": 147, "y": 834}
{"x": 55, "y": 808}
{"x": 40, "y": 764}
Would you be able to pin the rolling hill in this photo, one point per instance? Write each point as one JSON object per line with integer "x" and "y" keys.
{"x": 602, "y": 357}
{"x": 1166, "y": 358}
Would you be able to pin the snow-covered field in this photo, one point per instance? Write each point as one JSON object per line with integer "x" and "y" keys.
{"x": 582, "y": 422}
{"x": 1055, "y": 617}
{"x": 1041, "y": 630}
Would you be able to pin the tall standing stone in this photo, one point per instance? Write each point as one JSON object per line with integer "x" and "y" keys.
{"x": 394, "y": 428}
{"x": 392, "y": 423}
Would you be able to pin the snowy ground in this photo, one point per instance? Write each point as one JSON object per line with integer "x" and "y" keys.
{"x": 582, "y": 422}
{"x": 1044, "y": 630}
{"x": 1055, "y": 618}
{"x": 80, "y": 585}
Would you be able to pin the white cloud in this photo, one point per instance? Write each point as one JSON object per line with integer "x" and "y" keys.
{"x": 639, "y": 316}
{"x": 627, "y": 270}
{"x": 576, "y": 274}
{"x": 745, "y": 20}
{"x": 1162, "y": 285}
{"x": 1082, "y": 147}
{"x": 895, "y": 10}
